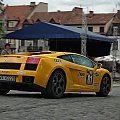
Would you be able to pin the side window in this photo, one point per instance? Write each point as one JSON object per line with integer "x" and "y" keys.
{"x": 66, "y": 57}
{"x": 82, "y": 61}
{"x": 87, "y": 62}
{"x": 76, "y": 59}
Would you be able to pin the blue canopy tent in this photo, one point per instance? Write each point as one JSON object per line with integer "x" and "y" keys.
{"x": 64, "y": 35}
{"x": 48, "y": 30}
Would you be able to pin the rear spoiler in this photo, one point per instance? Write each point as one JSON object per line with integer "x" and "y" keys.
{"x": 12, "y": 55}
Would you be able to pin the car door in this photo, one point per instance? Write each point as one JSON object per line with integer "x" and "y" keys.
{"x": 81, "y": 71}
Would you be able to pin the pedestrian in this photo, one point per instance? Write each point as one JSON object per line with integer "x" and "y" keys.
{"x": 6, "y": 50}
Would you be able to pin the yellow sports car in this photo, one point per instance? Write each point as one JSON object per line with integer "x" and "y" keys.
{"x": 52, "y": 74}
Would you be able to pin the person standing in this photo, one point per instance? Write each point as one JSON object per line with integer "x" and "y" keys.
{"x": 6, "y": 50}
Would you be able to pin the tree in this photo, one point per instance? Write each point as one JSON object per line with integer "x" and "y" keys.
{"x": 1, "y": 1}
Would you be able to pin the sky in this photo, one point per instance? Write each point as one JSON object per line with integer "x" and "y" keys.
{"x": 98, "y": 6}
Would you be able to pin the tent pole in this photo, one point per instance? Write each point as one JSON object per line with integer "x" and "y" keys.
{"x": 84, "y": 35}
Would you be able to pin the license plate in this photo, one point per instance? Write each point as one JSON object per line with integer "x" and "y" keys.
{"x": 8, "y": 78}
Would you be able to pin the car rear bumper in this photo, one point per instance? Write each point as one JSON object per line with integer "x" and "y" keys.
{"x": 30, "y": 87}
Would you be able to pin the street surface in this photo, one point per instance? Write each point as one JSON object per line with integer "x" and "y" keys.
{"x": 85, "y": 106}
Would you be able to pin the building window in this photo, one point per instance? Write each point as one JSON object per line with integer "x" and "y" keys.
{"x": 35, "y": 42}
{"x": 90, "y": 29}
{"x": 11, "y": 24}
{"x": 22, "y": 42}
{"x": 115, "y": 30}
{"x": 35, "y": 45}
{"x": 9, "y": 41}
{"x": 79, "y": 27}
{"x": 101, "y": 29}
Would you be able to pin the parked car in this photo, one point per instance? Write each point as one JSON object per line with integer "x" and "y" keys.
{"x": 53, "y": 74}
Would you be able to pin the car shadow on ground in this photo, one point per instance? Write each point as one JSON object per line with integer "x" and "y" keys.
{"x": 39, "y": 95}
{"x": 74, "y": 95}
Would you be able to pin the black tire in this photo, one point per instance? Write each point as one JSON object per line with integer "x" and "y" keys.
{"x": 56, "y": 85}
{"x": 104, "y": 87}
{"x": 3, "y": 89}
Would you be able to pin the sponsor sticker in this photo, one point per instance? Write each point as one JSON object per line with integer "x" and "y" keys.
{"x": 81, "y": 74}
{"x": 4, "y": 71}
{"x": 96, "y": 74}
{"x": 20, "y": 72}
{"x": 57, "y": 61}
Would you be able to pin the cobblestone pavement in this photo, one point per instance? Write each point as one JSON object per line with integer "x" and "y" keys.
{"x": 32, "y": 106}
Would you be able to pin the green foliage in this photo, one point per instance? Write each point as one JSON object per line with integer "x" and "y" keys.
{"x": 1, "y": 9}
{"x": 1, "y": 2}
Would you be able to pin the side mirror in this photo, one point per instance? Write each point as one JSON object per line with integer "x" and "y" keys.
{"x": 99, "y": 65}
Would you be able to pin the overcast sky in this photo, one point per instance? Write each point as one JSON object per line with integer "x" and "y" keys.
{"x": 63, "y": 5}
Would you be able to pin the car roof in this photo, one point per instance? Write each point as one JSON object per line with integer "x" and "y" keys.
{"x": 50, "y": 54}
{"x": 39, "y": 54}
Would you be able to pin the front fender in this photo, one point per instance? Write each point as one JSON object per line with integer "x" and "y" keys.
{"x": 104, "y": 72}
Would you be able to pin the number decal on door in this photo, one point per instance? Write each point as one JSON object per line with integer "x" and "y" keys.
{"x": 89, "y": 79}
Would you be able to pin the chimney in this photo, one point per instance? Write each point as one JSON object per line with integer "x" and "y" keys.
{"x": 58, "y": 11}
{"x": 118, "y": 14}
{"x": 43, "y": 7}
{"x": 77, "y": 10}
{"x": 40, "y": 7}
{"x": 91, "y": 14}
{"x": 32, "y": 4}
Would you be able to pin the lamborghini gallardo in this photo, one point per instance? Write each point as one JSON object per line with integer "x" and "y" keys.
{"x": 53, "y": 74}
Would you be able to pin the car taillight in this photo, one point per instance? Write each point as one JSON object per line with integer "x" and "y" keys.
{"x": 33, "y": 60}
